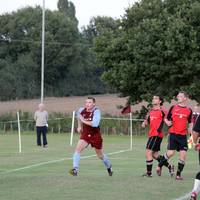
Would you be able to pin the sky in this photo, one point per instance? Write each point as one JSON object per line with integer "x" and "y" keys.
{"x": 85, "y": 9}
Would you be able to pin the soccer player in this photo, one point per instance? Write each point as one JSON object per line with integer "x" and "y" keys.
{"x": 195, "y": 135}
{"x": 88, "y": 126}
{"x": 178, "y": 118}
{"x": 155, "y": 118}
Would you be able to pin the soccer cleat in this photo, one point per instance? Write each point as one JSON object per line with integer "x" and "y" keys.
{"x": 159, "y": 171}
{"x": 147, "y": 175}
{"x": 73, "y": 172}
{"x": 171, "y": 170}
{"x": 179, "y": 178}
{"x": 193, "y": 196}
{"x": 110, "y": 171}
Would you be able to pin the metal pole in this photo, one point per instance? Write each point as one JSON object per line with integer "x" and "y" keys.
{"x": 131, "y": 131}
{"x": 72, "y": 128}
{"x": 42, "y": 61}
{"x": 19, "y": 133}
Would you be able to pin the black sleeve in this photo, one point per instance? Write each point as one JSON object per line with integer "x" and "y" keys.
{"x": 148, "y": 119}
{"x": 190, "y": 117}
{"x": 162, "y": 122}
{"x": 169, "y": 115}
{"x": 196, "y": 127}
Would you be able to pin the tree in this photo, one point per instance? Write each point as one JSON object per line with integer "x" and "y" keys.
{"x": 157, "y": 50}
{"x": 70, "y": 65}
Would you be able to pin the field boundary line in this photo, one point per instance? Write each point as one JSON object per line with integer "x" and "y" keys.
{"x": 186, "y": 196}
{"x": 56, "y": 161}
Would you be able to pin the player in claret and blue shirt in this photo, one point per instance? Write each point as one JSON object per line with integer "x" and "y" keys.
{"x": 88, "y": 126}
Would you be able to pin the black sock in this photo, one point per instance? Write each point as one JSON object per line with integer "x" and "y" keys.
{"x": 149, "y": 164}
{"x": 164, "y": 161}
{"x": 166, "y": 164}
{"x": 181, "y": 165}
{"x": 159, "y": 158}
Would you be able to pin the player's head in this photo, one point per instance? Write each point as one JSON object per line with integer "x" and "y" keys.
{"x": 182, "y": 97}
{"x": 90, "y": 103}
{"x": 41, "y": 106}
{"x": 157, "y": 100}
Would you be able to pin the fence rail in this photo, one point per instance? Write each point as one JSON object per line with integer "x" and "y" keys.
{"x": 109, "y": 125}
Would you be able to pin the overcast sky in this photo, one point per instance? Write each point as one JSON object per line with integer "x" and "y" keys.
{"x": 85, "y": 9}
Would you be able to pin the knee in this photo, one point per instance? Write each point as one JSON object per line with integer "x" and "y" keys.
{"x": 198, "y": 176}
{"x": 100, "y": 156}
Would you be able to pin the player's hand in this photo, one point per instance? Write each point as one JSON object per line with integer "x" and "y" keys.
{"x": 169, "y": 123}
{"x": 197, "y": 147}
{"x": 79, "y": 129}
{"x": 144, "y": 123}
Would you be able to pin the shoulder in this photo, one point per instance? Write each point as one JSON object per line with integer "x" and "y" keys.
{"x": 36, "y": 112}
{"x": 96, "y": 110}
{"x": 80, "y": 109}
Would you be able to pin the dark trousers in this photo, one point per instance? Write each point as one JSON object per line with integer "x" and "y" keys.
{"x": 41, "y": 130}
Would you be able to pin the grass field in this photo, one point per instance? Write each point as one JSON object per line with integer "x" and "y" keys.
{"x": 42, "y": 173}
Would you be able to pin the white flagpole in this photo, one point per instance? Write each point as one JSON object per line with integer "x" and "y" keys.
{"x": 72, "y": 129}
{"x": 42, "y": 57}
{"x": 131, "y": 131}
{"x": 19, "y": 133}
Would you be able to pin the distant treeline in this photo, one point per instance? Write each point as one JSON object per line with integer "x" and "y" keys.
{"x": 71, "y": 67}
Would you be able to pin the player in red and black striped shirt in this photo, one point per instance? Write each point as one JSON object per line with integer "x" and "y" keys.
{"x": 155, "y": 119}
{"x": 178, "y": 118}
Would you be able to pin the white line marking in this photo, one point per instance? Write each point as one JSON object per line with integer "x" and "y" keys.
{"x": 184, "y": 197}
{"x": 58, "y": 160}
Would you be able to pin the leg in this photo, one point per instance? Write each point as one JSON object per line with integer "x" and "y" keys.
{"x": 182, "y": 147}
{"x": 181, "y": 164}
{"x": 164, "y": 161}
{"x": 149, "y": 162}
{"x": 82, "y": 144}
{"x": 38, "y": 136}
{"x": 44, "y": 133}
{"x": 105, "y": 160}
{"x": 170, "y": 167}
{"x": 196, "y": 188}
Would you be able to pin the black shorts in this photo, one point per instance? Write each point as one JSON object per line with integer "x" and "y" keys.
{"x": 196, "y": 127}
{"x": 154, "y": 143}
{"x": 177, "y": 142}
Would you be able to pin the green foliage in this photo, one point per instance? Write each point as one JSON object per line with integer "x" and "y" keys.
{"x": 70, "y": 65}
{"x": 157, "y": 50}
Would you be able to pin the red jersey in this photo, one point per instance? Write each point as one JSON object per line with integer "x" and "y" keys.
{"x": 180, "y": 117}
{"x": 156, "y": 121}
{"x": 86, "y": 129}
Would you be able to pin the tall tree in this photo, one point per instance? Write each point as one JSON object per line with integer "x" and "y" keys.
{"x": 157, "y": 50}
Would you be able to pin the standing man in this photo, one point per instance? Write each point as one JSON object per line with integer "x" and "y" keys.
{"x": 41, "y": 118}
{"x": 88, "y": 126}
{"x": 178, "y": 118}
{"x": 155, "y": 119}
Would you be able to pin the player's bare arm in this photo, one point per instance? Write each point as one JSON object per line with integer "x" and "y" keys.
{"x": 79, "y": 126}
{"x": 168, "y": 122}
{"x": 89, "y": 123}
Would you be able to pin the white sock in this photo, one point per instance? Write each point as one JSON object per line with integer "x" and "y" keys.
{"x": 196, "y": 187}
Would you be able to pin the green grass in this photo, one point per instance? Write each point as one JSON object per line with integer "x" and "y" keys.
{"x": 51, "y": 181}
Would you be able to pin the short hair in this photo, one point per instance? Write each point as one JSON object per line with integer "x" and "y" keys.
{"x": 185, "y": 93}
{"x": 92, "y": 98}
{"x": 161, "y": 98}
